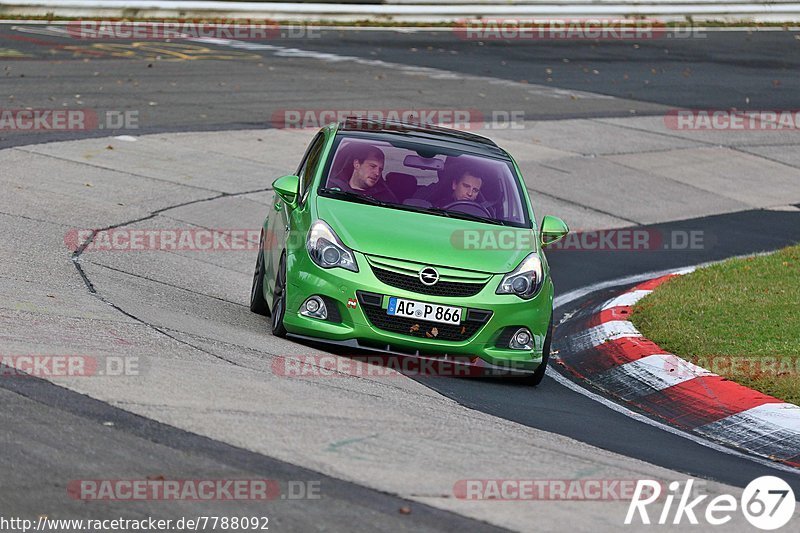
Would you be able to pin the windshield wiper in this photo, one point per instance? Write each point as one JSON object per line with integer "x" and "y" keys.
{"x": 352, "y": 196}
{"x": 466, "y": 216}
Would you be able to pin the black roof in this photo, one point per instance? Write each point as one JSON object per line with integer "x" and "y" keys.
{"x": 363, "y": 124}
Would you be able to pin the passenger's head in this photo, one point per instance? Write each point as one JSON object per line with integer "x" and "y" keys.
{"x": 367, "y": 166}
{"x": 466, "y": 187}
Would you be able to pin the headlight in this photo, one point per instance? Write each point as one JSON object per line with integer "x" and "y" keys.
{"x": 326, "y": 250}
{"x": 525, "y": 280}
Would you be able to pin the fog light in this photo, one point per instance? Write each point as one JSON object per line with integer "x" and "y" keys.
{"x": 521, "y": 340}
{"x": 314, "y": 307}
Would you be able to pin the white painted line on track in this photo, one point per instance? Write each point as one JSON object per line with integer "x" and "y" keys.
{"x": 626, "y": 299}
{"x": 597, "y": 335}
{"x": 411, "y": 70}
{"x": 783, "y": 415}
{"x": 649, "y": 374}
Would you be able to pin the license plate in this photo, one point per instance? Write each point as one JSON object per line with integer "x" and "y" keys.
{"x": 423, "y": 311}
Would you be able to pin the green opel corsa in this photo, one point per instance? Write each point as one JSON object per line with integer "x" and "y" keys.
{"x": 411, "y": 240}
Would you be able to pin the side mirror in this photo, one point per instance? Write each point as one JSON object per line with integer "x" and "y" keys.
{"x": 286, "y": 188}
{"x": 553, "y": 229}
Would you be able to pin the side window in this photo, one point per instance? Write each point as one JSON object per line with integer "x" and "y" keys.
{"x": 310, "y": 163}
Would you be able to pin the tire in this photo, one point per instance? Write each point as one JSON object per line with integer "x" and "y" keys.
{"x": 258, "y": 303}
{"x": 537, "y": 377}
{"x": 279, "y": 300}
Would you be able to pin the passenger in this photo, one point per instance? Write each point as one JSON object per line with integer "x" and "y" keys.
{"x": 363, "y": 174}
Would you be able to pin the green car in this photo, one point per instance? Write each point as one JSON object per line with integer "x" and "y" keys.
{"x": 411, "y": 240}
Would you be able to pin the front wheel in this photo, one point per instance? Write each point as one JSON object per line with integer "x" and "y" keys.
{"x": 279, "y": 300}
{"x": 258, "y": 304}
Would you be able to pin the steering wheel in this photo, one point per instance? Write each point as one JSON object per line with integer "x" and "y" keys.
{"x": 466, "y": 206}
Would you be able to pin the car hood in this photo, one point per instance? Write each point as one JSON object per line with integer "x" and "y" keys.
{"x": 424, "y": 238}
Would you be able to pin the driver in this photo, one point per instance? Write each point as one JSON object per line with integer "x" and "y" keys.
{"x": 465, "y": 188}
{"x": 364, "y": 174}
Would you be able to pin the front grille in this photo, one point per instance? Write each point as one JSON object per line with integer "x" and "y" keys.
{"x": 423, "y": 328}
{"x": 413, "y": 284}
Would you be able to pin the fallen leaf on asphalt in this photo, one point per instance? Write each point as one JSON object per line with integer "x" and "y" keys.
{"x": 405, "y": 510}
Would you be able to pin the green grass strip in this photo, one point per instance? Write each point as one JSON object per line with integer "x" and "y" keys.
{"x": 739, "y": 319}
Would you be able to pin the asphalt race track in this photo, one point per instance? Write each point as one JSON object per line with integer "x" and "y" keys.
{"x": 206, "y": 148}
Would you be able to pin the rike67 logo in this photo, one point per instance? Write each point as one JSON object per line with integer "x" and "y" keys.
{"x": 767, "y": 502}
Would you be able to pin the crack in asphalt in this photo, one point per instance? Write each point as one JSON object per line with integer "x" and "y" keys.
{"x": 743, "y": 150}
{"x": 90, "y": 286}
{"x": 40, "y": 220}
{"x": 101, "y": 265}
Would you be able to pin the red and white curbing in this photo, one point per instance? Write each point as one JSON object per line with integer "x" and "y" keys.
{"x": 612, "y": 355}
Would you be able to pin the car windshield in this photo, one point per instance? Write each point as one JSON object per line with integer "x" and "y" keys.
{"x": 421, "y": 176}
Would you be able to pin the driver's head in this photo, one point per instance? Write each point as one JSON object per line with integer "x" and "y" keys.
{"x": 367, "y": 167}
{"x": 466, "y": 187}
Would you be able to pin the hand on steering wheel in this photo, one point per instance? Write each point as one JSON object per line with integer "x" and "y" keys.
{"x": 468, "y": 203}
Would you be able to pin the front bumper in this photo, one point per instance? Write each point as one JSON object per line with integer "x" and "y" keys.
{"x": 483, "y": 345}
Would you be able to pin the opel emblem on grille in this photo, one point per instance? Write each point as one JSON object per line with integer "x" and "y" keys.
{"x": 428, "y": 276}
